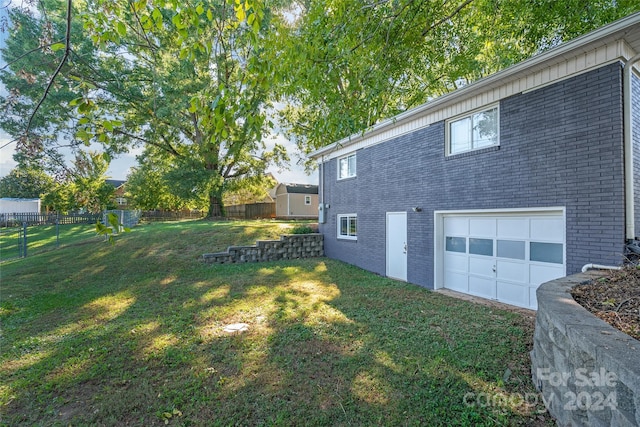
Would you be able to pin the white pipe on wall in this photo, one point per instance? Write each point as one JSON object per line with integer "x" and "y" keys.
{"x": 628, "y": 149}
{"x": 588, "y": 267}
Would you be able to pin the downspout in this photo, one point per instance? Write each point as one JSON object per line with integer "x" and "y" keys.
{"x": 628, "y": 149}
{"x": 322, "y": 180}
{"x": 321, "y": 207}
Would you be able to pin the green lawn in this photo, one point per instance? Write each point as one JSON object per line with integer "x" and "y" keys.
{"x": 134, "y": 333}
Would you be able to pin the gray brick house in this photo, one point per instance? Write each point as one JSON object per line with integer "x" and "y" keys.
{"x": 514, "y": 180}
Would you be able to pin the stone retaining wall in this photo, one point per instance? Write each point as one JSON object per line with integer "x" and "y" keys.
{"x": 290, "y": 246}
{"x": 587, "y": 371}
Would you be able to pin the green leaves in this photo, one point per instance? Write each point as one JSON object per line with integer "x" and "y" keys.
{"x": 57, "y": 46}
{"x": 121, "y": 29}
{"x": 111, "y": 230}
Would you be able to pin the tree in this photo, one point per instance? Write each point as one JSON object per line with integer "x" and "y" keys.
{"x": 27, "y": 183}
{"x": 148, "y": 187}
{"x": 33, "y": 52}
{"x": 248, "y": 190}
{"x": 191, "y": 81}
{"x": 347, "y": 65}
{"x": 88, "y": 185}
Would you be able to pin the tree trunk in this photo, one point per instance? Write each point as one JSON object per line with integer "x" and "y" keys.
{"x": 216, "y": 208}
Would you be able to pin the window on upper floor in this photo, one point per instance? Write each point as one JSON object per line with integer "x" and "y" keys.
{"x": 347, "y": 166}
{"x": 348, "y": 226}
{"x": 473, "y": 131}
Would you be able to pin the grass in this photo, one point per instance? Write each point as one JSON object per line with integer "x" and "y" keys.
{"x": 134, "y": 333}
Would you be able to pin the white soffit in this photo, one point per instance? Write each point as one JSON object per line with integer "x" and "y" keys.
{"x": 616, "y": 41}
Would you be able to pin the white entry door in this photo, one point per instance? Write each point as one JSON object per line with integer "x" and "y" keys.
{"x": 397, "y": 245}
{"x": 504, "y": 257}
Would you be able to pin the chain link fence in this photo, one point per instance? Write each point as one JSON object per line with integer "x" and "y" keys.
{"x": 23, "y": 235}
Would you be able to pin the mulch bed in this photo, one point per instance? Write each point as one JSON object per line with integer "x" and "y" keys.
{"x": 615, "y": 299}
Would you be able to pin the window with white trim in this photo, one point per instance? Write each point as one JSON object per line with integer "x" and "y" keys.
{"x": 473, "y": 131}
{"x": 307, "y": 200}
{"x": 347, "y": 166}
{"x": 348, "y": 226}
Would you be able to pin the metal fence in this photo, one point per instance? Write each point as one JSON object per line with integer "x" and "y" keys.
{"x": 126, "y": 218}
{"x": 31, "y": 218}
{"x": 30, "y": 239}
{"x": 23, "y": 234}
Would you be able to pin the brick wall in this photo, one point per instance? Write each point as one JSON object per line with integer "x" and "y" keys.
{"x": 560, "y": 145}
{"x": 290, "y": 246}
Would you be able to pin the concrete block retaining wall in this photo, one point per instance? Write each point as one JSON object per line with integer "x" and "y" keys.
{"x": 587, "y": 371}
{"x": 289, "y": 246}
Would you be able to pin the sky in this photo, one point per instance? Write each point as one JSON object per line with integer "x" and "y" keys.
{"x": 120, "y": 166}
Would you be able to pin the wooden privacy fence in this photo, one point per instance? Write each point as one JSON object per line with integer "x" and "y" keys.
{"x": 251, "y": 211}
{"x": 32, "y": 218}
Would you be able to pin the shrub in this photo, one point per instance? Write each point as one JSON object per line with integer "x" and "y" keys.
{"x": 303, "y": 229}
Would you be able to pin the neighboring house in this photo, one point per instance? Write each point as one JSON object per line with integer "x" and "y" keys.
{"x": 519, "y": 178}
{"x": 10, "y": 205}
{"x": 118, "y": 195}
{"x": 296, "y": 201}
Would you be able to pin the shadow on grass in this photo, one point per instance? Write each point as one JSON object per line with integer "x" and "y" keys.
{"x": 140, "y": 338}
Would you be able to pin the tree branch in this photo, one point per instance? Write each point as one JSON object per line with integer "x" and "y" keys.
{"x": 67, "y": 50}
{"x": 168, "y": 147}
{"x": 27, "y": 54}
{"x": 446, "y": 18}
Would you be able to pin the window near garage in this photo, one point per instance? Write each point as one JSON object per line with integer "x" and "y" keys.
{"x": 546, "y": 252}
{"x": 513, "y": 249}
{"x": 481, "y": 246}
{"x": 473, "y": 131}
{"x": 347, "y": 166}
{"x": 456, "y": 244}
{"x": 307, "y": 200}
{"x": 348, "y": 226}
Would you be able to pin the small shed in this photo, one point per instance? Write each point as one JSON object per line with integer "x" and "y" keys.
{"x": 9, "y": 205}
{"x": 296, "y": 201}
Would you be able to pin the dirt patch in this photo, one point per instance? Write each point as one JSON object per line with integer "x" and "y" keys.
{"x": 615, "y": 299}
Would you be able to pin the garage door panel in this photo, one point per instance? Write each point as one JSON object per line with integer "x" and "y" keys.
{"x": 457, "y": 281}
{"x": 482, "y": 227}
{"x": 482, "y": 266}
{"x": 543, "y": 273}
{"x": 513, "y": 294}
{"x": 456, "y": 262}
{"x": 512, "y": 271}
{"x": 533, "y": 300}
{"x": 483, "y": 287}
{"x": 513, "y": 228}
{"x": 456, "y": 226}
{"x": 547, "y": 229}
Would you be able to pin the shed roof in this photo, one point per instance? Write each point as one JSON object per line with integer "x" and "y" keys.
{"x": 301, "y": 188}
{"x": 18, "y": 199}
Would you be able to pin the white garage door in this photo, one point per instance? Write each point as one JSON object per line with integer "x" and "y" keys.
{"x": 504, "y": 257}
